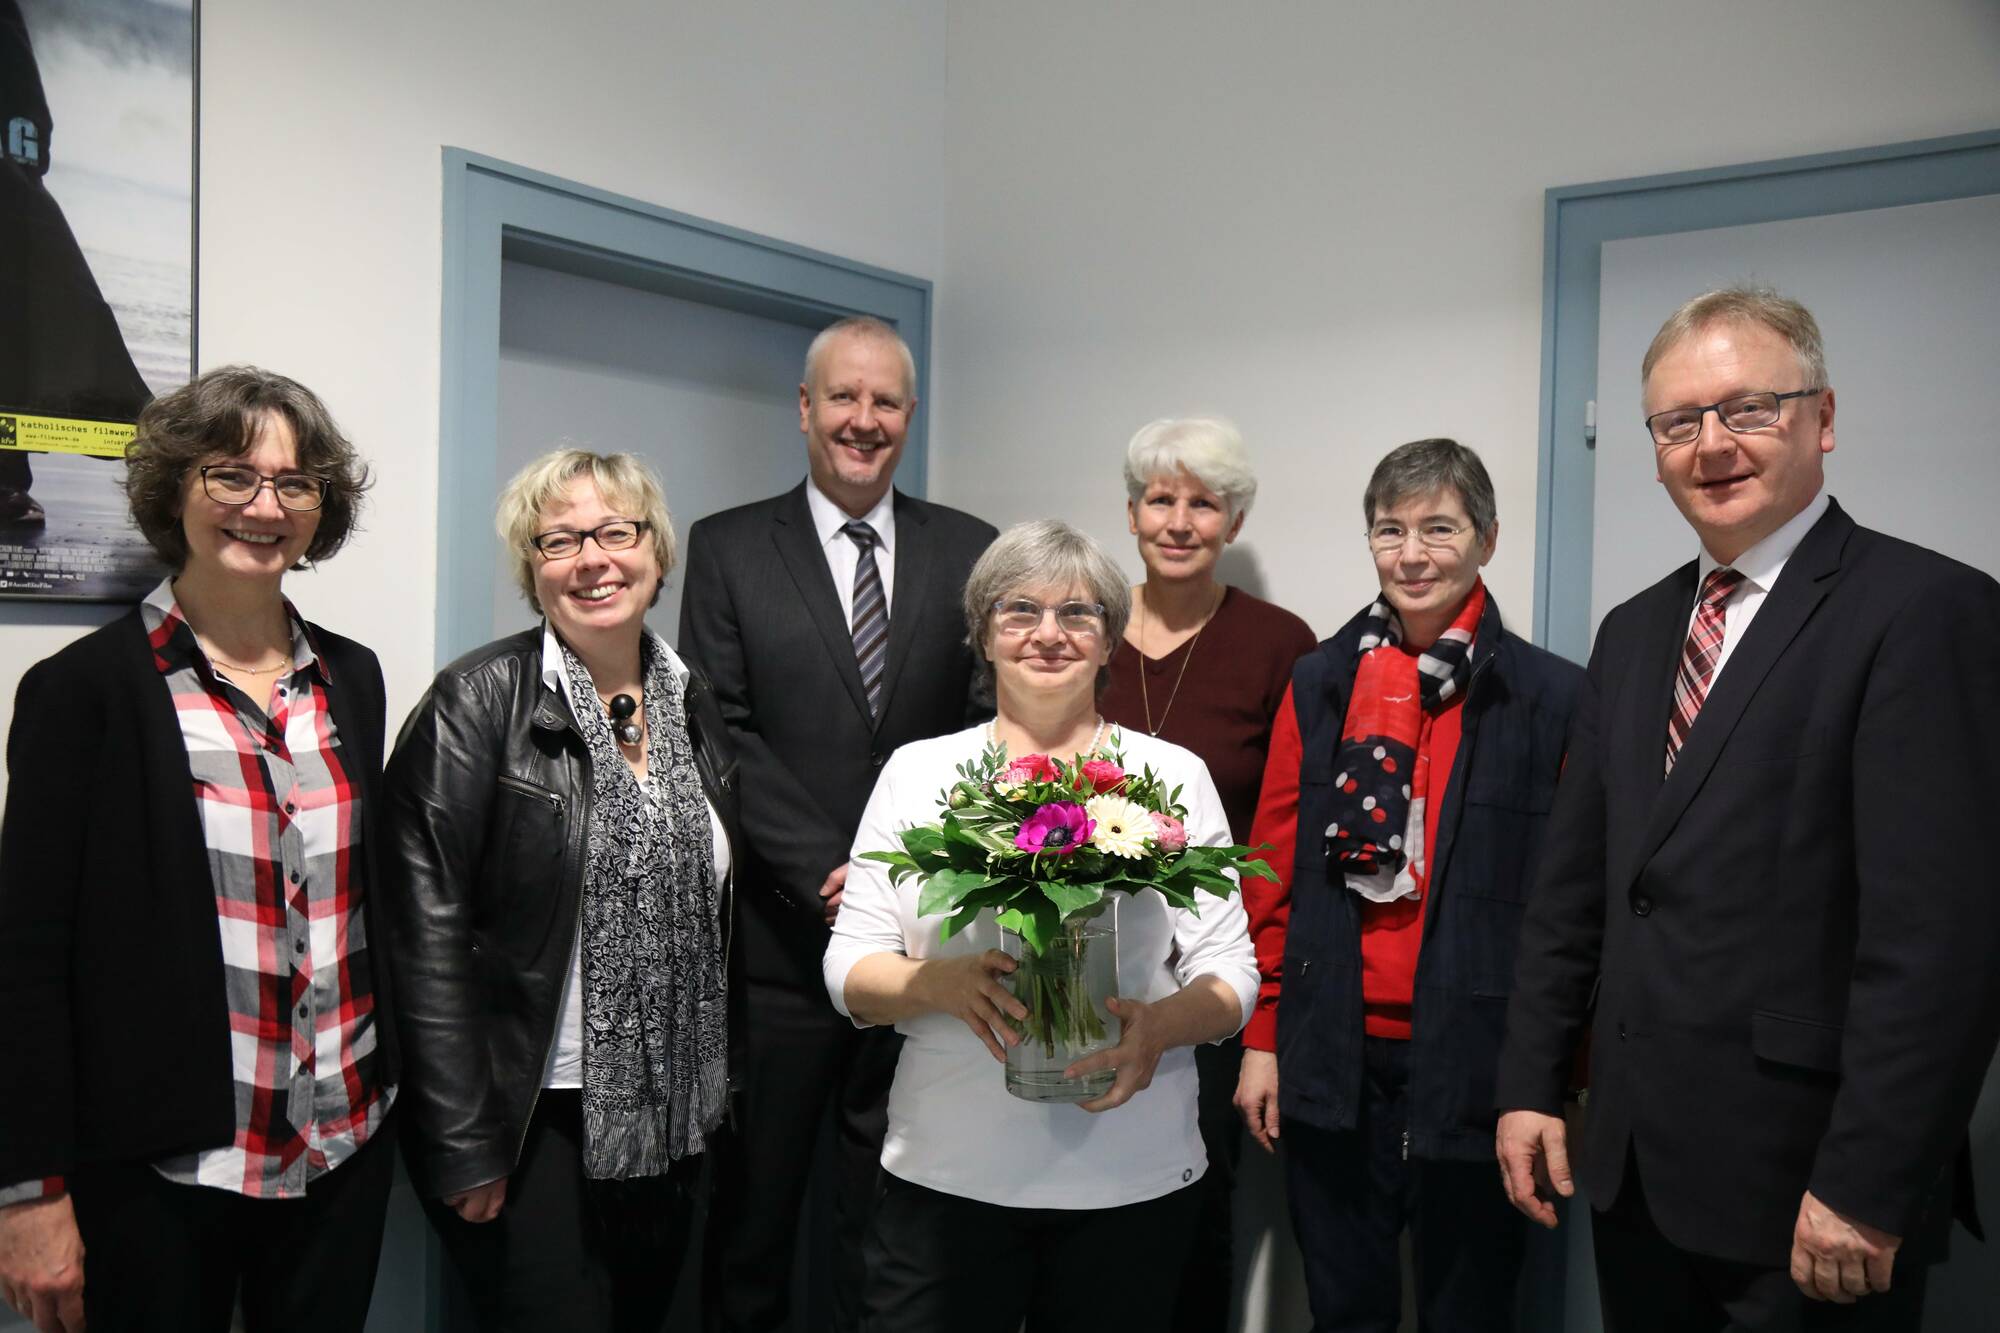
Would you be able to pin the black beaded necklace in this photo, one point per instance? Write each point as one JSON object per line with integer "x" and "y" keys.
{"x": 622, "y": 709}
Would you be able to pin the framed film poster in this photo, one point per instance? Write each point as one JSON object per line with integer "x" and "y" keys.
{"x": 97, "y": 278}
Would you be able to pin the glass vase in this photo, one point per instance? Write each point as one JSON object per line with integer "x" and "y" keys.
{"x": 1064, "y": 989}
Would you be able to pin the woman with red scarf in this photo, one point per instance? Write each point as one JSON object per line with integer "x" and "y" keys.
{"x": 1405, "y": 794}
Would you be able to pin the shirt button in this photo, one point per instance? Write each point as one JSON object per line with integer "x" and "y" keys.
{"x": 298, "y": 946}
{"x": 303, "y": 1011}
{"x": 1642, "y": 906}
{"x": 1621, "y": 1032}
{"x": 295, "y": 877}
{"x": 291, "y": 809}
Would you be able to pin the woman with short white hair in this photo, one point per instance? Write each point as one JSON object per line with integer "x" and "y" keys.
{"x": 1206, "y": 666}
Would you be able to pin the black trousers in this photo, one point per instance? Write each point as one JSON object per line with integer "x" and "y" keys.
{"x": 163, "y": 1257}
{"x": 1647, "y": 1284}
{"x": 1208, "y": 1280}
{"x": 1351, "y": 1194}
{"x": 799, "y": 1057}
{"x": 938, "y": 1261}
{"x": 567, "y": 1252}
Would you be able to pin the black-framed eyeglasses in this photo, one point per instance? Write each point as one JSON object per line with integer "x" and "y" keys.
{"x": 232, "y": 484}
{"x": 1024, "y": 615}
{"x": 1746, "y": 411}
{"x": 1436, "y": 534}
{"x": 620, "y": 534}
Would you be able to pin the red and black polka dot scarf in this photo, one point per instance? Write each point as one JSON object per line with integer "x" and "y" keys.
{"x": 1376, "y": 774}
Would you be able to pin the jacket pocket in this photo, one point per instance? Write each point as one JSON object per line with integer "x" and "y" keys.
{"x": 525, "y": 847}
{"x": 1804, "y": 1042}
{"x": 1772, "y": 745}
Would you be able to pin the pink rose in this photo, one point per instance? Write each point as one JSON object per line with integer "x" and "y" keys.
{"x": 1028, "y": 768}
{"x": 1172, "y": 833}
{"x": 1103, "y": 775}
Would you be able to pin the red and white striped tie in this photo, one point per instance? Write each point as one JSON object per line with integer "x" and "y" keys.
{"x": 1698, "y": 657}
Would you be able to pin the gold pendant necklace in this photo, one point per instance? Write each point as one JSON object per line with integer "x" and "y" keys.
{"x": 1145, "y": 696}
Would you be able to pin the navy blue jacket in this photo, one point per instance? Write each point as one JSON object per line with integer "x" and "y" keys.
{"x": 1496, "y": 804}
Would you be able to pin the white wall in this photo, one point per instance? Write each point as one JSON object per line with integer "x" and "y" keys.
{"x": 1326, "y": 221}
{"x": 321, "y": 230}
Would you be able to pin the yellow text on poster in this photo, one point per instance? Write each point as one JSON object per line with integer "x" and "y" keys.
{"x": 64, "y": 435}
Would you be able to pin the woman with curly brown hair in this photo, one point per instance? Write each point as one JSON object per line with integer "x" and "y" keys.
{"x": 196, "y": 1065}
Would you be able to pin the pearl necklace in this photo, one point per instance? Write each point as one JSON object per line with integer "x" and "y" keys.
{"x": 992, "y": 737}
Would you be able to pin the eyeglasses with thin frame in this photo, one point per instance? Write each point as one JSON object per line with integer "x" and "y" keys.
{"x": 232, "y": 484}
{"x": 1024, "y": 615}
{"x": 1746, "y": 411}
{"x": 1435, "y": 534}
{"x": 620, "y": 534}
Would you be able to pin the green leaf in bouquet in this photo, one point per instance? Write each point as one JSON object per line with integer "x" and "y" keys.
{"x": 1246, "y": 864}
{"x": 923, "y": 839}
{"x": 996, "y": 894}
{"x": 943, "y": 891}
{"x": 1072, "y": 898}
{"x": 1035, "y": 921}
{"x": 1215, "y": 882}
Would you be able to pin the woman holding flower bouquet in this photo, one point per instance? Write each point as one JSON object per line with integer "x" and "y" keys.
{"x": 1000, "y": 1202}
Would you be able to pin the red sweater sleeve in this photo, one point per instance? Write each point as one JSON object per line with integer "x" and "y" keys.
{"x": 1270, "y": 905}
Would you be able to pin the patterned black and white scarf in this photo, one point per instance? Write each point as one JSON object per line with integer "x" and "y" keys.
{"x": 655, "y": 1049}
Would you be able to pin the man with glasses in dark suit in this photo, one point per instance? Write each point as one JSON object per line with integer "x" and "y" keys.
{"x": 1766, "y": 871}
{"x": 828, "y": 619}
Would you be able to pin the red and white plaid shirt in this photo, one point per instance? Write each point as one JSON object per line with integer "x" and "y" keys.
{"x": 281, "y": 817}
{"x": 281, "y": 820}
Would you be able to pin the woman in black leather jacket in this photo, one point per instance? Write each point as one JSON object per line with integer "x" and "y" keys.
{"x": 562, "y": 807}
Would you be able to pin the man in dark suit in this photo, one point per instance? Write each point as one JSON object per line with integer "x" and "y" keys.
{"x": 829, "y": 620}
{"x": 1765, "y": 868}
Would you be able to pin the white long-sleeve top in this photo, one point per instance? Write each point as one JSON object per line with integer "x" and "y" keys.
{"x": 953, "y": 1127}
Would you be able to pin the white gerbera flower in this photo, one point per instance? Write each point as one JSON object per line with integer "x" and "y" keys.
{"x": 1124, "y": 828}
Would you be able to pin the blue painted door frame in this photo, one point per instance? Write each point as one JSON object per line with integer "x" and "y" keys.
{"x": 494, "y": 210}
{"x": 1581, "y": 218}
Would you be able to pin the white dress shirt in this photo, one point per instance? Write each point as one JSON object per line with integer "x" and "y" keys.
{"x": 1760, "y": 567}
{"x": 566, "y": 1055}
{"x": 953, "y": 1126}
{"x": 842, "y": 555}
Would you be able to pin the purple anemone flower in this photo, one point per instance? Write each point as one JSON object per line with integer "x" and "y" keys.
{"x": 1058, "y": 828}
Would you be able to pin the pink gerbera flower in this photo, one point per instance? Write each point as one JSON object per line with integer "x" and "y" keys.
{"x": 1058, "y": 828}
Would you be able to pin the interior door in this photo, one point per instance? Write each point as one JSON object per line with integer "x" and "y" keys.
{"x": 707, "y": 395}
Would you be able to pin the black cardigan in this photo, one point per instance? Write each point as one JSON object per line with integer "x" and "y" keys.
{"x": 114, "y": 1032}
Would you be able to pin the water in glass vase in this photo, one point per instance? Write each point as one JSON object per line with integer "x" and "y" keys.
{"x": 1064, "y": 989}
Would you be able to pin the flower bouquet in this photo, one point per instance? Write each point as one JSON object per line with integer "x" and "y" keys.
{"x": 1046, "y": 846}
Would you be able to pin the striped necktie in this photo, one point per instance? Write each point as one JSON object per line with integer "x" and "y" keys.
{"x": 1698, "y": 657}
{"x": 871, "y": 613}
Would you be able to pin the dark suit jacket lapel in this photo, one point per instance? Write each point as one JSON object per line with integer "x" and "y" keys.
{"x": 914, "y": 558}
{"x": 1639, "y": 746}
{"x": 798, "y": 545}
{"x": 1807, "y": 578}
